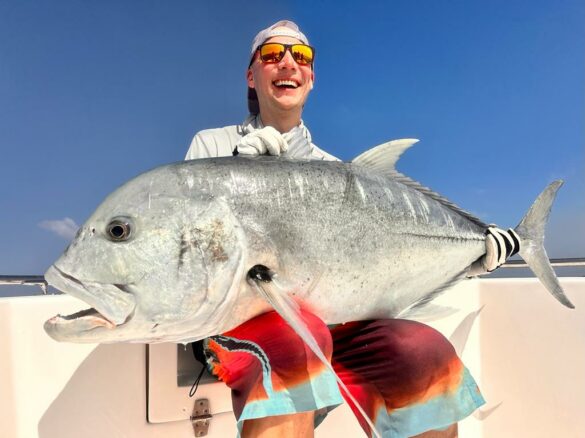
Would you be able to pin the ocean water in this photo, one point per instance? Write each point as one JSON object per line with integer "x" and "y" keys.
{"x": 7, "y": 290}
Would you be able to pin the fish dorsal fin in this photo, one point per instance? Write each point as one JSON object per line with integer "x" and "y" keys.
{"x": 382, "y": 158}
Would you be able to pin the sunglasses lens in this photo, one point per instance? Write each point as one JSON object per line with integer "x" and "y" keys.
{"x": 271, "y": 52}
{"x": 302, "y": 54}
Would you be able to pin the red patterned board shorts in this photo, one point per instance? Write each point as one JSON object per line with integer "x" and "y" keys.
{"x": 404, "y": 374}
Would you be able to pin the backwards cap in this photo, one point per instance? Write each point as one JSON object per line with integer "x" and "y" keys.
{"x": 280, "y": 28}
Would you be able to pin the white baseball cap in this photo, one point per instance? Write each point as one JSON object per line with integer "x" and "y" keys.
{"x": 280, "y": 28}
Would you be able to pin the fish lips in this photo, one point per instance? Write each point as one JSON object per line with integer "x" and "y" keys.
{"x": 112, "y": 305}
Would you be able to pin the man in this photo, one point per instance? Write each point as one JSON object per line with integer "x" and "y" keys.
{"x": 277, "y": 92}
{"x": 404, "y": 374}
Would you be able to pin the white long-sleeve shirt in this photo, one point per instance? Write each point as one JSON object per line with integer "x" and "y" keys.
{"x": 221, "y": 142}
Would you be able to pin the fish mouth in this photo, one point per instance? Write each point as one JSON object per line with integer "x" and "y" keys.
{"x": 112, "y": 305}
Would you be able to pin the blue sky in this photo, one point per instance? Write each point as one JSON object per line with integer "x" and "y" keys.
{"x": 93, "y": 93}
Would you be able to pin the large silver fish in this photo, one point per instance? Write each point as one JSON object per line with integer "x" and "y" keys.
{"x": 168, "y": 256}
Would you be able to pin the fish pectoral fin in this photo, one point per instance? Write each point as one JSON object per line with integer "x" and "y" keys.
{"x": 266, "y": 283}
{"x": 382, "y": 158}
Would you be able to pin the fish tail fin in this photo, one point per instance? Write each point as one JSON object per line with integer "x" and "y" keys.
{"x": 531, "y": 233}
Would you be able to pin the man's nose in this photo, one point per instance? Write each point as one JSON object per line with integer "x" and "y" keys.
{"x": 287, "y": 60}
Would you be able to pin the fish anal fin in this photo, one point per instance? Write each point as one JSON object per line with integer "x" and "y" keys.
{"x": 428, "y": 312}
{"x": 418, "y": 308}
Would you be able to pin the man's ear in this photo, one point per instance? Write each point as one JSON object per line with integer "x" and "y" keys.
{"x": 312, "y": 80}
{"x": 250, "y": 78}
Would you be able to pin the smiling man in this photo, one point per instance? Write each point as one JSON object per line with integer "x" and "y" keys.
{"x": 406, "y": 376}
{"x": 281, "y": 74}
{"x": 280, "y": 77}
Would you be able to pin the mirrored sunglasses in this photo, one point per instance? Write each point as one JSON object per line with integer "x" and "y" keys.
{"x": 274, "y": 52}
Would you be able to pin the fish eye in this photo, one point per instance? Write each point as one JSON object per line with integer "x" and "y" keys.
{"x": 119, "y": 230}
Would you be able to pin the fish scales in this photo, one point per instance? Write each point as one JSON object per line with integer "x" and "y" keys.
{"x": 325, "y": 232}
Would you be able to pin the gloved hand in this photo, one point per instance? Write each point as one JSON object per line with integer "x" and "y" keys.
{"x": 264, "y": 141}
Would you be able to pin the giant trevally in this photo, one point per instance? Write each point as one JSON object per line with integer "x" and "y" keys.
{"x": 168, "y": 256}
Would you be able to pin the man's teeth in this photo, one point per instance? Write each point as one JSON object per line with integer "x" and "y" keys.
{"x": 286, "y": 83}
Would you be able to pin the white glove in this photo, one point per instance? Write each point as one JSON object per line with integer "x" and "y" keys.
{"x": 264, "y": 141}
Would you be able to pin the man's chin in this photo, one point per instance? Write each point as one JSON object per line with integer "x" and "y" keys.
{"x": 289, "y": 102}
